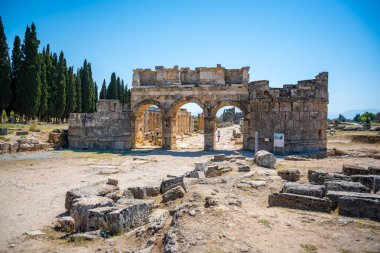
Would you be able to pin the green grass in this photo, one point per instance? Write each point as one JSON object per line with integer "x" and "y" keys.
{"x": 265, "y": 223}
{"x": 345, "y": 251}
{"x": 367, "y": 226}
{"x": 309, "y": 248}
{"x": 2, "y": 138}
{"x": 32, "y": 127}
{"x": 44, "y": 128}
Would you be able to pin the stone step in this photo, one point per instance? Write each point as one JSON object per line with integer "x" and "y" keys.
{"x": 302, "y": 202}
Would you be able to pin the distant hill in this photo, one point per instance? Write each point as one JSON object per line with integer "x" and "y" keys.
{"x": 350, "y": 114}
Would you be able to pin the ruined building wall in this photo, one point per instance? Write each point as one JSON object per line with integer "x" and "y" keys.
{"x": 108, "y": 128}
{"x": 299, "y": 111}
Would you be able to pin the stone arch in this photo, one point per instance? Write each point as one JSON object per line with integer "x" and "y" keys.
{"x": 175, "y": 105}
{"x": 170, "y": 117}
{"x": 219, "y": 104}
{"x": 213, "y": 122}
{"x": 144, "y": 104}
{"x": 137, "y": 117}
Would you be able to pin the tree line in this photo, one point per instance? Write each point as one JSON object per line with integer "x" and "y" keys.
{"x": 41, "y": 84}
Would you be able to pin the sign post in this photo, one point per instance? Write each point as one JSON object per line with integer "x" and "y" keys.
{"x": 279, "y": 141}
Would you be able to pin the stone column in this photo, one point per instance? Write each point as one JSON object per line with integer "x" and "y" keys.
{"x": 209, "y": 132}
{"x": 168, "y": 133}
{"x": 136, "y": 77}
{"x": 245, "y": 133}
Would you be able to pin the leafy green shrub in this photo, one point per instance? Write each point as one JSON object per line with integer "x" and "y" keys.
{"x": 32, "y": 127}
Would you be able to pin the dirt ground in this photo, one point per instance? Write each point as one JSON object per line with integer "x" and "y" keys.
{"x": 33, "y": 188}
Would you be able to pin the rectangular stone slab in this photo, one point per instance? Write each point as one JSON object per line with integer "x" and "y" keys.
{"x": 131, "y": 213}
{"x": 359, "y": 207}
{"x": 345, "y": 186}
{"x": 168, "y": 184}
{"x": 301, "y": 202}
{"x": 367, "y": 180}
{"x": 349, "y": 169}
{"x": 307, "y": 190}
{"x": 97, "y": 189}
{"x": 334, "y": 196}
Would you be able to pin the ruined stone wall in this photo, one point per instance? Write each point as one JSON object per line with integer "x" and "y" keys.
{"x": 106, "y": 129}
{"x": 299, "y": 111}
{"x": 174, "y": 76}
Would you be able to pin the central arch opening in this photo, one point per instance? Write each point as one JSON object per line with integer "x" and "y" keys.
{"x": 229, "y": 128}
{"x": 189, "y": 127}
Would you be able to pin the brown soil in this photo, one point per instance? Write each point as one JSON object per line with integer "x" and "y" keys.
{"x": 33, "y": 188}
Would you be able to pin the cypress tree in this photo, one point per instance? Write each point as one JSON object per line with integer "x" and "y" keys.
{"x": 44, "y": 87}
{"x": 71, "y": 102}
{"x": 30, "y": 81}
{"x": 119, "y": 89}
{"x": 91, "y": 91}
{"x": 61, "y": 87}
{"x": 5, "y": 70}
{"x": 78, "y": 86}
{"x": 122, "y": 92}
{"x": 52, "y": 81}
{"x": 95, "y": 95}
{"x": 16, "y": 69}
{"x": 86, "y": 88}
{"x": 112, "y": 88}
{"x": 103, "y": 91}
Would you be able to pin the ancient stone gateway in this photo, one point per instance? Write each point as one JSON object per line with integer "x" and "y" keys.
{"x": 299, "y": 111}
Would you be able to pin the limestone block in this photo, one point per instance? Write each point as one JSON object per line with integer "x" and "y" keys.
{"x": 359, "y": 207}
{"x": 300, "y": 202}
{"x": 347, "y": 186}
{"x": 307, "y": 190}
{"x": 349, "y": 169}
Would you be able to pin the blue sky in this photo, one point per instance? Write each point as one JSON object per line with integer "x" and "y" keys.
{"x": 282, "y": 41}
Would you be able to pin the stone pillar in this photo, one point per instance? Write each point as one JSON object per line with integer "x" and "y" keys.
{"x": 245, "y": 133}
{"x": 168, "y": 133}
{"x": 245, "y": 75}
{"x": 209, "y": 132}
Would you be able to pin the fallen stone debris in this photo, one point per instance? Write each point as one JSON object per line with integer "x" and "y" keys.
{"x": 355, "y": 192}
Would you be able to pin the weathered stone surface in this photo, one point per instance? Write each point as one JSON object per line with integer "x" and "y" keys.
{"x": 286, "y": 109}
{"x": 244, "y": 168}
{"x": 4, "y": 147}
{"x": 318, "y": 177}
{"x": 138, "y": 192}
{"x": 335, "y": 195}
{"x": 213, "y": 171}
{"x": 359, "y": 207}
{"x": 202, "y": 166}
{"x": 265, "y": 159}
{"x": 115, "y": 196}
{"x": 152, "y": 191}
{"x": 128, "y": 194}
{"x": 168, "y": 184}
{"x": 112, "y": 181}
{"x": 133, "y": 213}
{"x": 196, "y": 174}
{"x": 292, "y": 175}
{"x": 374, "y": 170}
{"x": 211, "y": 201}
{"x": 366, "y": 180}
{"x": 349, "y": 169}
{"x": 345, "y": 186}
{"x": 300, "y": 202}
{"x": 66, "y": 223}
{"x": 219, "y": 158}
{"x": 81, "y": 206}
{"x": 157, "y": 220}
{"x": 3, "y": 131}
{"x": 257, "y": 183}
{"x": 307, "y": 190}
{"x": 173, "y": 194}
{"x": 97, "y": 189}
{"x": 376, "y": 185}
{"x": 87, "y": 236}
{"x": 96, "y": 218}
{"x": 23, "y": 132}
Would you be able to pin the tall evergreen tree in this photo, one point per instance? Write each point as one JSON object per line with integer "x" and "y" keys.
{"x": 30, "y": 81}
{"x": 119, "y": 89}
{"x": 5, "y": 70}
{"x": 71, "y": 101}
{"x": 52, "y": 77}
{"x": 61, "y": 87}
{"x": 44, "y": 87}
{"x": 16, "y": 70}
{"x": 91, "y": 92}
{"x": 127, "y": 95}
{"x": 112, "y": 88}
{"x": 103, "y": 91}
{"x": 78, "y": 86}
{"x": 86, "y": 88}
{"x": 122, "y": 92}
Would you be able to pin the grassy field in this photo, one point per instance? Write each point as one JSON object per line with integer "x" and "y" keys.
{"x": 31, "y": 127}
